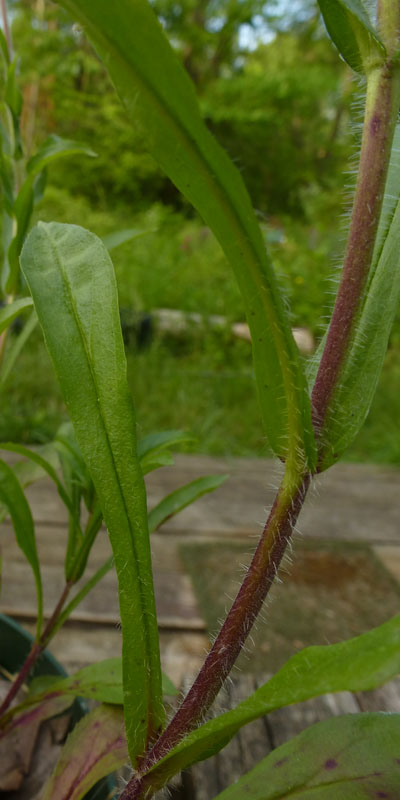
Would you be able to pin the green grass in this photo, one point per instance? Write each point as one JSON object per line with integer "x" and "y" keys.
{"x": 203, "y": 381}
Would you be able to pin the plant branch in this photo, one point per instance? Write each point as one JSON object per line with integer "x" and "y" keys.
{"x": 233, "y": 634}
{"x": 382, "y": 102}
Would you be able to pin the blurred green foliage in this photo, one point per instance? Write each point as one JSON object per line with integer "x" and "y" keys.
{"x": 276, "y": 96}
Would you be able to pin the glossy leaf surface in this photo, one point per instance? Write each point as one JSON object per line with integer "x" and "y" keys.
{"x": 160, "y": 98}
{"x": 73, "y": 286}
{"x": 355, "y": 757}
{"x": 355, "y": 665}
{"x": 182, "y": 497}
{"x": 95, "y": 748}
{"x": 359, "y": 377}
{"x": 13, "y": 498}
{"x": 350, "y": 29}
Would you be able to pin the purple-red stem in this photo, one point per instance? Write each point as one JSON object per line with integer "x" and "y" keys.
{"x": 35, "y": 652}
{"x": 230, "y": 640}
{"x": 376, "y": 145}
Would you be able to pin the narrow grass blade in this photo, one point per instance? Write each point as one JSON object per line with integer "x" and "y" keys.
{"x": 161, "y": 101}
{"x": 73, "y": 286}
{"x": 345, "y": 758}
{"x": 350, "y": 29}
{"x": 116, "y": 239}
{"x": 182, "y": 497}
{"x": 12, "y": 496}
{"x": 355, "y": 665}
{"x": 13, "y": 310}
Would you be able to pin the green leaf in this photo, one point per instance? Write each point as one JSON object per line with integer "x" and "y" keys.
{"x": 13, "y": 352}
{"x": 73, "y": 286}
{"x": 345, "y": 758}
{"x": 12, "y": 496}
{"x": 359, "y": 377}
{"x": 350, "y": 28}
{"x": 182, "y": 497}
{"x": 358, "y": 664}
{"x": 161, "y": 101}
{"x": 95, "y": 748}
{"x": 32, "y": 717}
{"x": 45, "y": 465}
{"x": 4, "y": 48}
{"x": 27, "y": 472}
{"x": 13, "y": 96}
{"x": 53, "y": 149}
{"x": 101, "y": 682}
{"x": 153, "y": 449}
{"x": 13, "y": 310}
{"x": 114, "y": 240}
{"x": 23, "y": 208}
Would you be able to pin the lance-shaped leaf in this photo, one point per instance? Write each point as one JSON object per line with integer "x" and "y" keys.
{"x": 13, "y": 498}
{"x": 13, "y": 310}
{"x": 351, "y": 30}
{"x": 95, "y": 748}
{"x": 161, "y": 101}
{"x": 43, "y": 463}
{"x": 182, "y": 497}
{"x": 354, "y": 392}
{"x": 345, "y": 758}
{"x": 13, "y": 352}
{"x": 53, "y": 149}
{"x": 355, "y": 665}
{"x": 73, "y": 286}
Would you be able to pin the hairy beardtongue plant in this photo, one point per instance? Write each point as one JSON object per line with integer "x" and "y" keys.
{"x": 71, "y": 280}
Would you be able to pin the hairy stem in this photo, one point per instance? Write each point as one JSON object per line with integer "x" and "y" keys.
{"x": 382, "y": 102}
{"x": 233, "y": 634}
{"x": 35, "y": 652}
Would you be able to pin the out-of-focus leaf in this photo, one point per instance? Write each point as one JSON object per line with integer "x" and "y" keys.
{"x": 13, "y": 310}
{"x": 358, "y": 664}
{"x": 42, "y": 462}
{"x": 23, "y": 208}
{"x": 95, "y": 748}
{"x": 345, "y": 758}
{"x": 73, "y": 285}
{"x": 160, "y": 99}
{"x": 4, "y": 48}
{"x": 12, "y": 95}
{"x": 182, "y": 497}
{"x": 350, "y": 28}
{"x": 13, "y": 352}
{"x": 12, "y": 496}
{"x": 114, "y": 240}
{"x": 53, "y": 149}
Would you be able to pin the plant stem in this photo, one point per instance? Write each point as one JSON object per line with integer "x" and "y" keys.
{"x": 35, "y": 652}
{"x": 233, "y": 634}
{"x": 382, "y": 103}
